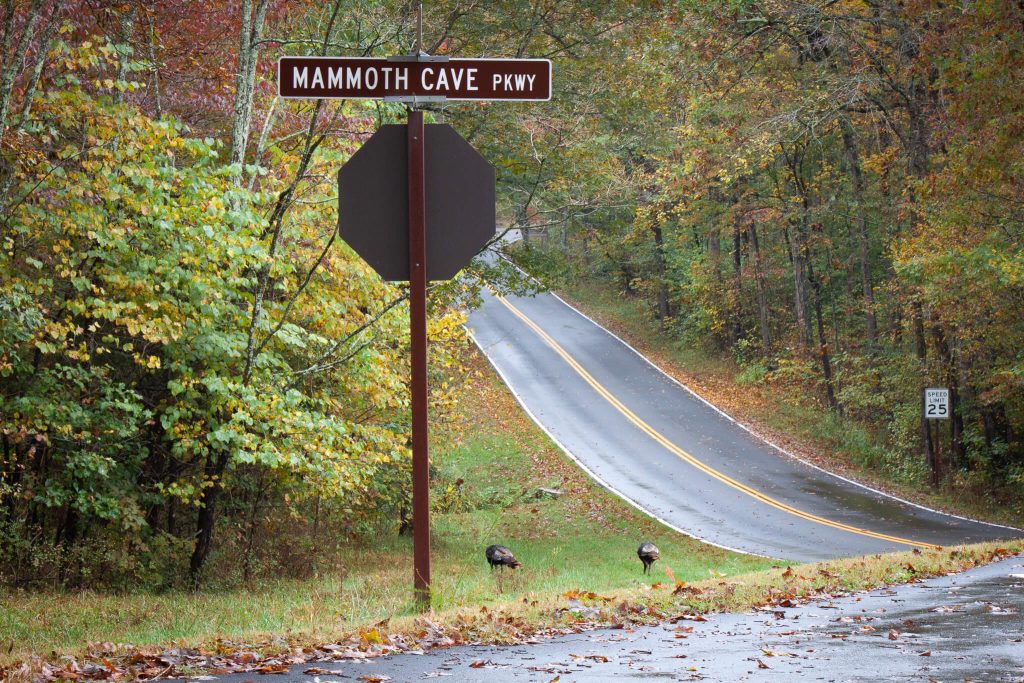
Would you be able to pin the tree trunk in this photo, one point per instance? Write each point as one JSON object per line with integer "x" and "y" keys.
{"x": 405, "y": 520}
{"x": 798, "y": 257}
{"x": 737, "y": 285}
{"x": 67, "y": 534}
{"x": 207, "y": 518}
{"x": 957, "y": 451}
{"x": 12, "y": 62}
{"x": 823, "y": 353}
{"x": 860, "y": 220}
{"x": 996, "y": 427}
{"x": 921, "y": 351}
{"x": 715, "y": 260}
{"x": 171, "y": 518}
{"x": 626, "y": 276}
{"x": 762, "y": 294}
{"x": 250, "y": 540}
{"x": 715, "y": 253}
{"x": 154, "y": 66}
{"x": 124, "y": 53}
{"x": 9, "y": 68}
{"x": 664, "y": 310}
{"x": 245, "y": 77}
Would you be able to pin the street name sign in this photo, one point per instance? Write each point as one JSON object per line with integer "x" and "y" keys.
{"x": 427, "y": 78}
{"x": 936, "y": 404}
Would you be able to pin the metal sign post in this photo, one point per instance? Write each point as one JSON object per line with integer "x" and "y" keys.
{"x": 418, "y": 339}
{"x": 416, "y": 142}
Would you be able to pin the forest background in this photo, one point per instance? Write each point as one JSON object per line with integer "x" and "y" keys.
{"x": 192, "y": 363}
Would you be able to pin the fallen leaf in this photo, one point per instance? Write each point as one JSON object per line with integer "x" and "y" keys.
{"x": 688, "y": 617}
{"x": 272, "y": 669}
{"x": 948, "y": 608}
{"x": 762, "y": 665}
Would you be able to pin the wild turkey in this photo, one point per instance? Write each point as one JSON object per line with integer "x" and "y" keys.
{"x": 500, "y": 556}
{"x": 648, "y": 554}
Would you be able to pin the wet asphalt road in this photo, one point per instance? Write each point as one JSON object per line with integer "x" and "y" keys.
{"x": 969, "y": 625}
{"x": 659, "y": 446}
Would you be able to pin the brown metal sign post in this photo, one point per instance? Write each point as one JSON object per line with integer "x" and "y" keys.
{"x": 418, "y": 339}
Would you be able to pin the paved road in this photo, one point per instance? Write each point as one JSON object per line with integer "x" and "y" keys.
{"x": 956, "y": 628}
{"x": 679, "y": 459}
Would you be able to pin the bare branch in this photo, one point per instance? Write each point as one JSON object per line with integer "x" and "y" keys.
{"x": 321, "y": 364}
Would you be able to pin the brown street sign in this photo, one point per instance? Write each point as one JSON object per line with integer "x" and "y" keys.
{"x": 527, "y": 80}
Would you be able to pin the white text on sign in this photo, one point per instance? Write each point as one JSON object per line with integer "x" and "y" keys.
{"x": 456, "y": 79}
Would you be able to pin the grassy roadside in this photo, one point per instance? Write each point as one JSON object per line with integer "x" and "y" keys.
{"x": 578, "y": 550}
{"x": 485, "y": 491}
{"x": 771, "y": 411}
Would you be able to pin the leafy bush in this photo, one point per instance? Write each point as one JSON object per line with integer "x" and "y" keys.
{"x": 161, "y": 341}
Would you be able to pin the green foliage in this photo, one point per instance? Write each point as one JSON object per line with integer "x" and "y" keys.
{"x": 136, "y": 375}
{"x": 836, "y": 204}
{"x": 755, "y": 373}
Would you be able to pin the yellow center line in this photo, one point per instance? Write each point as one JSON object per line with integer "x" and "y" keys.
{"x": 676, "y": 450}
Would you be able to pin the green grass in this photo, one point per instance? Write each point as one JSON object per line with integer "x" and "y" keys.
{"x": 583, "y": 540}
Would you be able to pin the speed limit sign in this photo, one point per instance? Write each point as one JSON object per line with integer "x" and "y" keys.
{"x": 936, "y": 404}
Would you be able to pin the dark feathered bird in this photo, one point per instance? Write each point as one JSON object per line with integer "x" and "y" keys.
{"x": 648, "y": 554}
{"x": 500, "y": 556}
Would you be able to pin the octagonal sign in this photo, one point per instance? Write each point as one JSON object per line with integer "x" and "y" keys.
{"x": 373, "y": 202}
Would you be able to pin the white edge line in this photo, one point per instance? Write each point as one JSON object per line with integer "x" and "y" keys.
{"x": 760, "y": 437}
{"x": 729, "y": 417}
{"x": 593, "y": 475}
